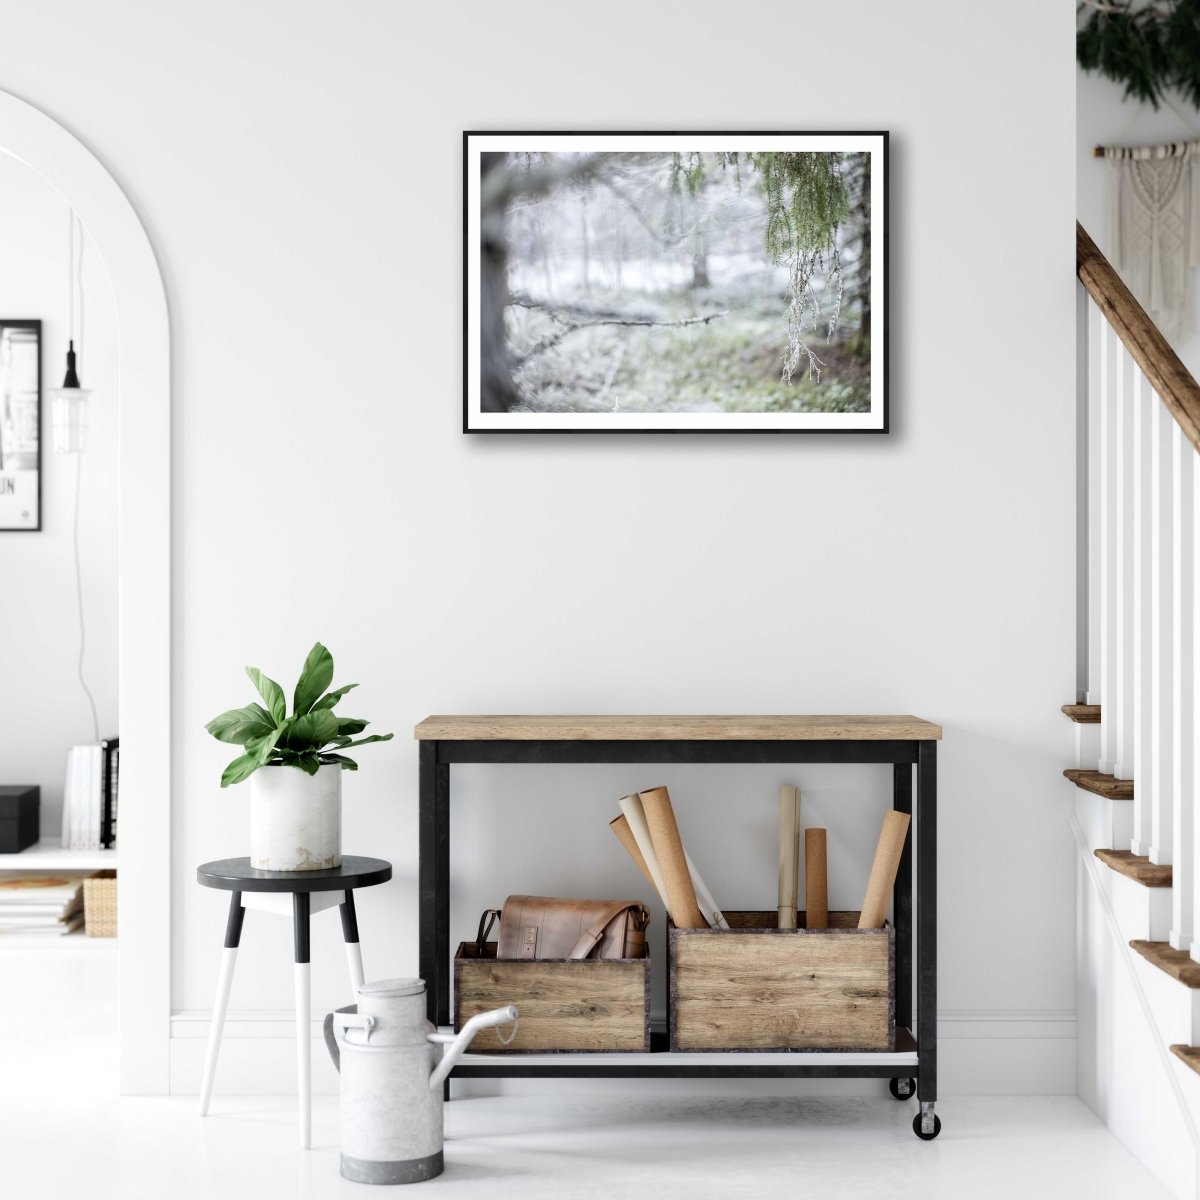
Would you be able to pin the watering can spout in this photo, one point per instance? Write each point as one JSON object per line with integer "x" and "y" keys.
{"x": 454, "y": 1051}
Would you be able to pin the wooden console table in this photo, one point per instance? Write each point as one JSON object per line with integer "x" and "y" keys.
{"x": 899, "y": 741}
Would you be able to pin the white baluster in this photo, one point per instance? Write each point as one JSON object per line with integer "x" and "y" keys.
{"x": 1193, "y": 679}
{"x": 1159, "y": 759}
{"x": 1109, "y": 523}
{"x": 1095, "y": 342}
{"x": 1183, "y": 730}
{"x": 1145, "y": 405}
{"x": 1125, "y": 411}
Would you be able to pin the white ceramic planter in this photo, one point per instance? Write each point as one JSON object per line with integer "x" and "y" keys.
{"x": 296, "y": 819}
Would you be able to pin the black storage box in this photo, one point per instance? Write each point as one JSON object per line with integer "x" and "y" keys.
{"x": 19, "y": 816}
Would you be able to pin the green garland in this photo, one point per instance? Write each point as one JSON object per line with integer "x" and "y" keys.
{"x": 1150, "y": 48}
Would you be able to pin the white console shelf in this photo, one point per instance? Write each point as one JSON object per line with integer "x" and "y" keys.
{"x": 48, "y": 855}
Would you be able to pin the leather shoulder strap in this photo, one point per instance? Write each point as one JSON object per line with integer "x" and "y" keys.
{"x": 595, "y": 931}
{"x": 485, "y": 927}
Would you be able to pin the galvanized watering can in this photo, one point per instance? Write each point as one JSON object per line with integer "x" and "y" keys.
{"x": 392, "y": 1068}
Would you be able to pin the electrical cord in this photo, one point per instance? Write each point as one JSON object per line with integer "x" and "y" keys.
{"x": 87, "y": 691}
{"x": 74, "y": 275}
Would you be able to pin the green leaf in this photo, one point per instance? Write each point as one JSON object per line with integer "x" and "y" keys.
{"x": 351, "y": 725}
{"x": 241, "y": 725}
{"x": 271, "y": 692}
{"x": 375, "y": 737}
{"x": 308, "y": 763}
{"x": 331, "y": 698}
{"x": 310, "y": 731}
{"x": 241, "y": 768}
{"x": 348, "y": 764}
{"x": 315, "y": 677}
{"x": 263, "y": 748}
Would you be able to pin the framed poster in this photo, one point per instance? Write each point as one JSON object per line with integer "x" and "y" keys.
{"x": 675, "y": 282}
{"x": 20, "y": 425}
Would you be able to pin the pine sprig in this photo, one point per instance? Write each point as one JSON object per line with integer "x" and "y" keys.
{"x": 1150, "y": 49}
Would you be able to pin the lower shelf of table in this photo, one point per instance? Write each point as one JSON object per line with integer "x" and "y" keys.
{"x": 663, "y": 1063}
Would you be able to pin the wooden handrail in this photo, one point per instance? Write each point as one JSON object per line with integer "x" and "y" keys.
{"x": 1173, "y": 382}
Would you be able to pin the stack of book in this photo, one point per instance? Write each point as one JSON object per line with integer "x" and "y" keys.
{"x": 90, "y": 793}
{"x": 41, "y": 902}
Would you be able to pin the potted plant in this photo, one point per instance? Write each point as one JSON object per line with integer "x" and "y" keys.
{"x": 294, "y": 764}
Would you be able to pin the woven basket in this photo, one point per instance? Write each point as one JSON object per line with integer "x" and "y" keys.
{"x": 100, "y": 904}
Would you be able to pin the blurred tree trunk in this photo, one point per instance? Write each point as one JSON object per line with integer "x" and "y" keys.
{"x": 864, "y": 261}
{"x": 498, "y": 393}
{"x": 700, "y": 260}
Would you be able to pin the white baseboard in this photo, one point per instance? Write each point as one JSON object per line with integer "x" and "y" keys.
{"x": 1017, "y": 1052}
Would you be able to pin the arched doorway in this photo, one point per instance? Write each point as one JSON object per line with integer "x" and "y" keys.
{"x": 143, "y": 572}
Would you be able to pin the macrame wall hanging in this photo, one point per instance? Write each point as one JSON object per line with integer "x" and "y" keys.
{"x": 1154, "y": 225}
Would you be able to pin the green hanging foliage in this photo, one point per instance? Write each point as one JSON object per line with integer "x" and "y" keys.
{"x": 1150, "y": 48}
{"x": 807, "y": 200}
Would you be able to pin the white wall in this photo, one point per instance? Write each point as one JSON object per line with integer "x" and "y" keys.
{"x": 1104, "y": 118}
{"x": 298, "y": 166}
{"x": 43, "y": 710}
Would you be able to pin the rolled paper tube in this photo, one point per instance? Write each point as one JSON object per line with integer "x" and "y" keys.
{"x": 789, "y": 853}
{"x": 883, "y": 870}
{"x": 632, "y": 824}
{"x": 635, "y": 818}
{"x": 816, "y": 880}
{"x": 672, "y": 862}
{"x": 704, "y": 898}
{"x": 620, "y": 826}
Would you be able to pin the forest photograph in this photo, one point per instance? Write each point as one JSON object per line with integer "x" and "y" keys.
{"x": 648, "y": 281}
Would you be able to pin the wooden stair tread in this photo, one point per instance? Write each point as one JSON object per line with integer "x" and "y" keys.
{"x": 1176, "y": 963}
{"x": 1189, "y": 1055}
{"x": 1083, "y": 714}
{"x": 1136, "y": 867}
{"x": 1108, "y": 786}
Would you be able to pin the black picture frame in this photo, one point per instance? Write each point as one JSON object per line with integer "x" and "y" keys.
{"x": 21, "y": 426}
{"x": 876, "y": 420}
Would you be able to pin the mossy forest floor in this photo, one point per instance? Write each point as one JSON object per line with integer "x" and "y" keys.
{"x": 731, "y": 364}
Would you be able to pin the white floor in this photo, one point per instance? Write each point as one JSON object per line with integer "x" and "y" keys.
{"x": 527, "y": 1148}
{"x": 64, "y": 1136}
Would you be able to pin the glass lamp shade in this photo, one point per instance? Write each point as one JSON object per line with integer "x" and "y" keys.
{"x": 70, "y": 409}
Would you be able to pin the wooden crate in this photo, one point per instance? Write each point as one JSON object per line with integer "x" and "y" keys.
{"x": 593, "y": 1005}
{"x": 756, "y": 987}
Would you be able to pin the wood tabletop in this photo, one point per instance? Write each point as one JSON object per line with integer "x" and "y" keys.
{"x": 856, "y": 728}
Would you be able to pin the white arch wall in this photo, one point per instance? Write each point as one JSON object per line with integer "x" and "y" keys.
{"x": 144, "y": 576}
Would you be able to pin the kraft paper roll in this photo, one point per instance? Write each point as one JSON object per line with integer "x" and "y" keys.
{"x": 635, "y": 819}
{"x": 672, "y": 862}
{"x": 632, "y": 820}
{"x": 883, "y": 870}
{"x": 789, "y": 854}
{"x": 620, "y": 826}
{"x": 816, "y": 880}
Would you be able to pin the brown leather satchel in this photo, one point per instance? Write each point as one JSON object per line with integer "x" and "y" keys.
{"x": 541, "y": 927}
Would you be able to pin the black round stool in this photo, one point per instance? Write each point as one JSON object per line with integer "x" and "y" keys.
{"x": 311, "y": 891}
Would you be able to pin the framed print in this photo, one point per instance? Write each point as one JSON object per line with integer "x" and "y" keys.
{"x": 20, "y": 425}
{"x": 675, "y": 282}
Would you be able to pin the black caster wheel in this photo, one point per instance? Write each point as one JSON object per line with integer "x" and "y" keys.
{"x": 902, "y": 1089}
{"x": 927, "y": 1137}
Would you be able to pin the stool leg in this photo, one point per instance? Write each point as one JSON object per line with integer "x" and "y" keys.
{"x": 300, "y": 909}
{"x": 353, "y": 946}
{"x": 233, "y": 935}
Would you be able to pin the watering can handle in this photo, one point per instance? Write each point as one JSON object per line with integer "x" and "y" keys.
{"x": 343, "y": 1017}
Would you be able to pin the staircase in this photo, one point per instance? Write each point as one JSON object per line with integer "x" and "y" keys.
{"x": 1135, "y": 722}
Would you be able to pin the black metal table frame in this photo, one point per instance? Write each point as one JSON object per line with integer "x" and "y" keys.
{"x": 436, "y": 758}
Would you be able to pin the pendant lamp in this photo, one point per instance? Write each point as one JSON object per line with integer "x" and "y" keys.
{"x": 69, "y": 403}
{"x": 70, "y": 408}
